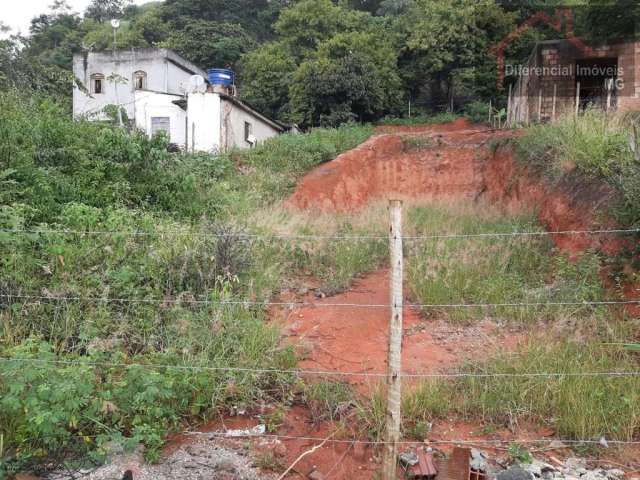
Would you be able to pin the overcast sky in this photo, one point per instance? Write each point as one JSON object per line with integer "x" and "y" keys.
{"x": 17, "y": 14}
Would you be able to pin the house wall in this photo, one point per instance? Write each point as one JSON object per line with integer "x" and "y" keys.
{"x": 216, "y": 124}
{"x": 536, "y": 93}
{"x": 166, "y": 73}
{"x": 150, "y": 104}
{"x": 203, "y": 122}
{"x": 234, "y": 118}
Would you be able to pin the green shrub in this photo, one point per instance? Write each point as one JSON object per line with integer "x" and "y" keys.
{"x": 478, "y": 112}
{"x": 327, "y": 400}
{"x": 593, "y": 147}
{"x": 48, "y": 160}
{"x": 84, "y": 401}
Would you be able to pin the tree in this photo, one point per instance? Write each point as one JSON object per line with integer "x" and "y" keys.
{"x": 267, "y": 73}
{"x": 104, "y": 10}
{"x": 255, "y": 16}
{"x": 55, "y": 36}
{"x": 150, "y": 24}
{"x": 211, "y": 44}
{"x": 28, "y": 74}
{"x": 310, "y": 22}
{"x": 100, "y": 36}
{"x": 352, "y": 77}
{"x": 604, "y": 19}
{"x": 443, "y": 41}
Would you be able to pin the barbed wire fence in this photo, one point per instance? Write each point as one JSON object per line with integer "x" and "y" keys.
{"x": 395, "y": 373}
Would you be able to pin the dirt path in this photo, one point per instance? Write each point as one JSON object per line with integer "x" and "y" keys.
{"x": 354, "y": 338}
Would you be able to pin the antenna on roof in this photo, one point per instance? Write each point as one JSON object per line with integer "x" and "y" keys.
{"x": 197, "y": 84}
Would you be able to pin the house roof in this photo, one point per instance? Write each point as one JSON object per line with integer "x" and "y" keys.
{"x": 150, "y": 53}
{"x": 244, "y": 106}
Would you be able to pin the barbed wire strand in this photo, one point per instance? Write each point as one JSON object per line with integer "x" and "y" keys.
{"x": 302, "y": 372}
{"x": 443, "y": 236}
{"x": 318, "y": 304}
{"x": 233, "y": 434}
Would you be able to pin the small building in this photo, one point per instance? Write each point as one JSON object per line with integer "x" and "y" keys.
{"x": 565, "y": 76}
{"x": 159, "y": 91}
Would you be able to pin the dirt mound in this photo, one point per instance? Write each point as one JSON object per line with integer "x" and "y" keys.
{"x": 435, "y": 162}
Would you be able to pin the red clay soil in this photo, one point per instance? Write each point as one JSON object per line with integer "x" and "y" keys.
{"x": 451, "y": 161}
{"x": 354, "y": 338}
{"x": 454, "y": 162}
{"x": 514, "y": 189}
{"x": 422, "y": 163}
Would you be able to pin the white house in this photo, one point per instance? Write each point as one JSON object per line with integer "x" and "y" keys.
{"x": 155, "y": 88}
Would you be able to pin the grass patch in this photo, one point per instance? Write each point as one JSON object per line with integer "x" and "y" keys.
{"x": 495, "y": 270}
{"x": 424, "y": 119}
{"x": 327, "y": 400}
{"x": 271, "y": 170}
{"x": 576, "y": 407}
{"x": 335, "y": 263}
{"x": 591, "y": 148}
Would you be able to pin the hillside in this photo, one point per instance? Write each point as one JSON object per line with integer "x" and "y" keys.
{"x": 146, "y": 293}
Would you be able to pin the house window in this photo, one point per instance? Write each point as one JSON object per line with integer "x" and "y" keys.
{"x": 248, "y": 133}
{"x": 97, "y": 83}
{"x": 160, "y": 124}
{"x": 140, "y": 80}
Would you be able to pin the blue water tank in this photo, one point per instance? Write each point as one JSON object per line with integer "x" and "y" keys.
{"x": 221, "y": 76}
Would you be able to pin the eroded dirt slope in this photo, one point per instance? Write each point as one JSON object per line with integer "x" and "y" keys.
{"x": 440, "y": 162}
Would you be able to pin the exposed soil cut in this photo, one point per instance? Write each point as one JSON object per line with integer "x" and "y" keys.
{"x": 439, "y": 162}
{"x": 454, "y": 162}
{"x": 354, "y": 338}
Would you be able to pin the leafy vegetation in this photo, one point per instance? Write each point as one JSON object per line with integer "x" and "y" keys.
{"x": 593, "y": 148}
{"x": 127, "y": 252}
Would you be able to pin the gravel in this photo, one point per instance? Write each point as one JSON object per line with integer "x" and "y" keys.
{"x": 573, "y": 469}
{"x": 198, "y": 461}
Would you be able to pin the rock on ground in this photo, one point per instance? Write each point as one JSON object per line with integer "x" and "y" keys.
{"x": 198, "y": 461}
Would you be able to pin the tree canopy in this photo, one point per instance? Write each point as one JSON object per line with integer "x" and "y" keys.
{"x": 314, "y": 62}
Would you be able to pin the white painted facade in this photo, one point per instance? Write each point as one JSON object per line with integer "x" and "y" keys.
{"x": 163, "y": 72}
{"x": 154, "y": 95}
{"x": 219, "y": 122}
{"x": 151, "y": 106}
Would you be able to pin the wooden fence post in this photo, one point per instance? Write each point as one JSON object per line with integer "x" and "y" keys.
{"x": 609, "y": 87}
{"x": 394, "y": 367}
{"x": 509, "y": 121}
{"x": 577, "y": 98}
{"x": 540, "y": 105}
{"x": 553, "y": 106}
